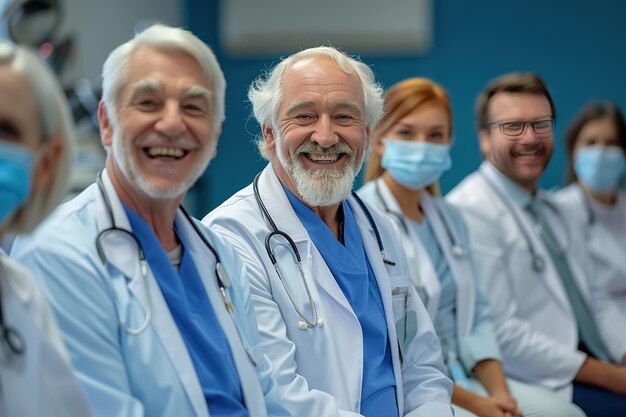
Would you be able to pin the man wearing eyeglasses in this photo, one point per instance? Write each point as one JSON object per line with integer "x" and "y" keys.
{"x": 551, "y": 321}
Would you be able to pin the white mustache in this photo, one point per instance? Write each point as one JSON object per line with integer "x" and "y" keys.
{"x": 156, "y": 140}
{"x": 312, "y": 147}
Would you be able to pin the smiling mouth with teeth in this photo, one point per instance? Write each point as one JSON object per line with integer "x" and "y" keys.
{"x": 165, "y": 153}
{"x": 323, "y": 158}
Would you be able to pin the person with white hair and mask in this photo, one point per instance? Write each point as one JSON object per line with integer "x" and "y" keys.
{"x": 36, "y": 147}
{"x": 154, "y": 308}
{"x": 344, "y": 329}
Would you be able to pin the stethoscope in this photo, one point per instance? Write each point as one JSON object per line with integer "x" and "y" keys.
{"x": 456, "y": 248}
{"x": 223, "y": 280}
{"x": 11, "y": 340}
{"x": 538, "y": 262}
{"x": 304, "y": 322}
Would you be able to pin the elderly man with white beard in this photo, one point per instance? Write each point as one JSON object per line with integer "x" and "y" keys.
{"x": 153, "y": 307}
{"x": 339, "y": 320}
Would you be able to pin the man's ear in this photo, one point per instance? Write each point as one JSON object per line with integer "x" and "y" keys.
{"x": 484, "y": 142}
{"x": 106, "y": 128}
{"x": 46, "y": 167}
{"x": 368, "y": 138}
{"x": 216, "y": 138}
{"x": 268, "y": 136}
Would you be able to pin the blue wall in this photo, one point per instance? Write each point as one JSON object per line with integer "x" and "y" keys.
{"x": 577, "y": 46}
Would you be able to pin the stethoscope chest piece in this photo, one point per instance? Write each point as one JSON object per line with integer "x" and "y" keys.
{"x": 13, "y": 341}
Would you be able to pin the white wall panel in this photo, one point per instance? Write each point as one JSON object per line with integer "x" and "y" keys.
{"x": 279, "y": 26}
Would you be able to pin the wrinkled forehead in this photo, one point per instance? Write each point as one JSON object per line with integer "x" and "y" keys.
{"x": 321, "y": 66}
{"x": 320, "y": 75}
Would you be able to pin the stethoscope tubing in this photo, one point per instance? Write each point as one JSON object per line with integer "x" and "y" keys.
{"x": 223, "y": 280}
{"x": 305, "y": 322}
{"x": 456, "y": 248}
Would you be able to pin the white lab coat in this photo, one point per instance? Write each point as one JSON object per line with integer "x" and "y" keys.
{"x": 39, "y": 382}
{"x": 319, "y": 370}
{"x": 423, "y": 275}
{"x": 475, "y": 333}
{"x": 533, "y": 318}
{"x": 605, "y": 237}
{"x": 150, "y": 374}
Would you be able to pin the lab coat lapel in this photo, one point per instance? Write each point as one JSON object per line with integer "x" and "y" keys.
{"x": 121, "y": 250}
{"x": 205, "y": 265}
{"x": 459, "y": 266}
{"x": 428, "y": 276}
{"x": 415, "y": 250}
{"x": 599, "y": 248}
{"x": 521, "y": 220}
{"x": 125, "y": 260}
{"x": 286, "y": 220}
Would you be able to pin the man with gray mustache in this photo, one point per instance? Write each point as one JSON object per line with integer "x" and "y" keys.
{"x": 153, "y": 307}
{"x": 339, "y": 320}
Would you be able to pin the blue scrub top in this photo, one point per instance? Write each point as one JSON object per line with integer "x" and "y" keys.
{"x": 191, "y": 309}
{"x": 352, "y": 271}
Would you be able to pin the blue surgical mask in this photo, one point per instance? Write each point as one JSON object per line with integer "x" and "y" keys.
{"x": 600, "y": 167}
{"x": 16, "y": 167}
{"x": 415, "y": 164}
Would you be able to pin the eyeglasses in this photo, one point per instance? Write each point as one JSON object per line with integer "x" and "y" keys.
{"x": 517, "y": 128}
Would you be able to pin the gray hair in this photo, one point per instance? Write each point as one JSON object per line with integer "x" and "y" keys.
{"x": 265, "y": 92}
{"x": 55, "y": 121}
{"x": 165, "y": 38}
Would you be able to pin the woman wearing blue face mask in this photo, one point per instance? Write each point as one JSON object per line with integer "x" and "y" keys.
{"x": 411, "y": 150}
{"x": 596, "y": 145}
{"x": 35, "y": 155}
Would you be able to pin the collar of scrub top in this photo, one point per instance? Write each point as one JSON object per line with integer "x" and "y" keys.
{"x": 517, "y": 194}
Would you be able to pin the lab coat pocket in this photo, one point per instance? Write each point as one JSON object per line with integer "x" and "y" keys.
{"x": 406, "y": 320}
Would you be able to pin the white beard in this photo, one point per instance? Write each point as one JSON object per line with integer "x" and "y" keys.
{"x": 324, "y": 187}
{"x": 128, "y": 165}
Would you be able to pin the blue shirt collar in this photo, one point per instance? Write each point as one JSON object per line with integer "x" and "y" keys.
{"x": 517, "y": 194}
